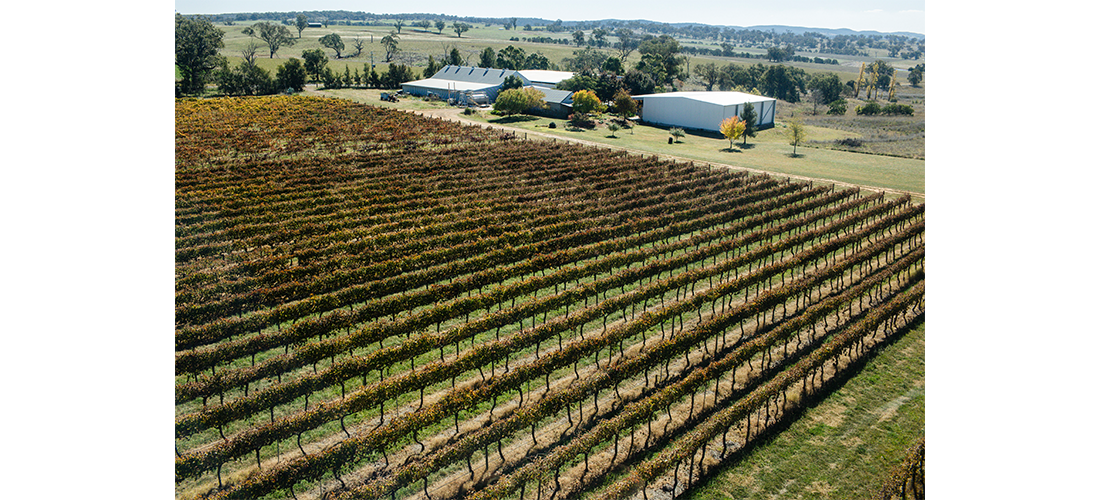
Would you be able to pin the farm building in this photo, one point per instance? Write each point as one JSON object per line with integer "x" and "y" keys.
{"x": 471, "y": 85}
{"x": 544, "y": 78}
{"x": 703, "y": 110}
{"x": 559, "y": 103}
{"x": 459, "y": 82}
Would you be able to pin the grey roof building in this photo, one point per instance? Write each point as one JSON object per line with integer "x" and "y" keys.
{"x": 469, "y": 85}
{"x": 460, "y": 83}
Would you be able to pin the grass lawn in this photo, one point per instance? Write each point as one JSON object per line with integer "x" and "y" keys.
{"x": 768, "y": 151}
{"x": 846, "y": 446}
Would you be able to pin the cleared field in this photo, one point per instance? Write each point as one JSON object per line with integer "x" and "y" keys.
{"x": 374, "y": 304}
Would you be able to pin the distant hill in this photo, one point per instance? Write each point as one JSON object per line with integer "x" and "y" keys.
{"x": 826, "y": 31}
{"x": 520, "y": 21}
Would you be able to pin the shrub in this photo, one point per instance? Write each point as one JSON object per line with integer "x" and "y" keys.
{"x": 871, "y": 108}
{"x": 516, "y": 101}
{"x": 838, "y": 107}
{"x": 849, "y": 142}
{"x": 676, "y": 132}
{"x": 553, "y": 125}
{"x": 897, "y": 109}
{"x": 581, "y": 121}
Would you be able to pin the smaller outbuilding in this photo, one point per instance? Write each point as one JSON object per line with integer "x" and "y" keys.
{"x": 559, "y": 103}
{"x": 703, "y": 110}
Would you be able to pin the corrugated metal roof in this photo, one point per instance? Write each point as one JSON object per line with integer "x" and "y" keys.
{"x": 472, "y": 74}
{"x": 719, "y": 98}
{"x": 545, "y": 76}
{"x": 555, "y": 95}
{"x": 444, "y": 85}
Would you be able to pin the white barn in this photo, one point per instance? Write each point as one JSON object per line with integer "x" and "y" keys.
{"x": 703, "y": 110}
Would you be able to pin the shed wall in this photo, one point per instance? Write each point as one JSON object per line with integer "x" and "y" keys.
{"x": 691, "y": 113}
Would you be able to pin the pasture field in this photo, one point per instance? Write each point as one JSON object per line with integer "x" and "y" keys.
{"x": 376, "y": 304}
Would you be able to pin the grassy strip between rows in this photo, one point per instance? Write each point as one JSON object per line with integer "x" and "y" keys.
{"x": 846, "y": 445}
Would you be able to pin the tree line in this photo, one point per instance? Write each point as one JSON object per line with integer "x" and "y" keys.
{"x": 197, "y": 57}
{"x": 662, "y": 66}
{"x": 905, "y": 47}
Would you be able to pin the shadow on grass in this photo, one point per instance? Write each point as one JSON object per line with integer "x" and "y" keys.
{"x": 514, "y": 119}
{"x": 730, "y": 150}
{"x": 611, "y": 136}
{"x": 795, "y": 155}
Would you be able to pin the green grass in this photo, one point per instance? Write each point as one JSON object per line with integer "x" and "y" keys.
{"x": 846, "y": 446}
{"x": 768, "y": 151}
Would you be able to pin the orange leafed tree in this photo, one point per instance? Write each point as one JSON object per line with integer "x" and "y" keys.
{"x": 732, "y": 128}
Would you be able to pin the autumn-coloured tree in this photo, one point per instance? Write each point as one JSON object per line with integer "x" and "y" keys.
{"x": 732, "y": 128}
{"x": 796, "y": 133}
{"x": 585, "y": 101}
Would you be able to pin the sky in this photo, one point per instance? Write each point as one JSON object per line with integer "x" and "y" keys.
{"x": 861, "y": 15}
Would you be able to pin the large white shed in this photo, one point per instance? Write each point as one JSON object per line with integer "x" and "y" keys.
{"x": 703, "y": 110}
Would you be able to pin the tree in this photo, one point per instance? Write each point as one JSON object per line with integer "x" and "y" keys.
{"x": 585, "y": 102}
{"x": 883, "y": 73}
{"x": 627, "y": 42}
{"x": 600, "y": 36}
{"x": 916, "y": 74}
{"x": 625, "y": 106}
{"x": 517, "y": 101}
{"x": 661, "y": 59}
{"x": 732, "y": 128}
{"x": 248, "y": 53}
{"x": 333, "y": 41}
{"x": 488, "y": 58}
{"x": 586, "y": 59}
{"x": 796, "y": 134}
{"x": 390, "y": 43}
{"x": 275, "y": 36}
{"x": 512, "y": 21}
{"x": 460, "y": 28}
{"x": 358, "y": 44}
{"x": 782, "y": 82}
{"x": 512, "y": 82}
{"x": 708, "y": 73}
{"x": 748, "y": 115}
{"x": 197, "y": 44}
{"x": 433, "y": 66}
{"x": 824, "y": 88}
{"x": 612, "y": 65}
{"x": 780, "y": 54}
{"x": 398, "y": 24}
{"x": 316, "y": 61}
{"x": 291, "y": 75}
{"x": 395, "y": 75}
{"x": 454, "y": 58}
{"x": 639, "y": 83}
{"x": 676, "y": 132}
{"x": 423, "y": 24}
{"x": 613, "y": 127}
{"x": 245, "y": 79}
{"x": 511, "y": 58}
{"x": 578, "y": 38}
{"x": 536, "y": 61}
{"x": 439, "y": 25}
{"x": 301, "y": 22}
{"x": 838, "y": 107}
